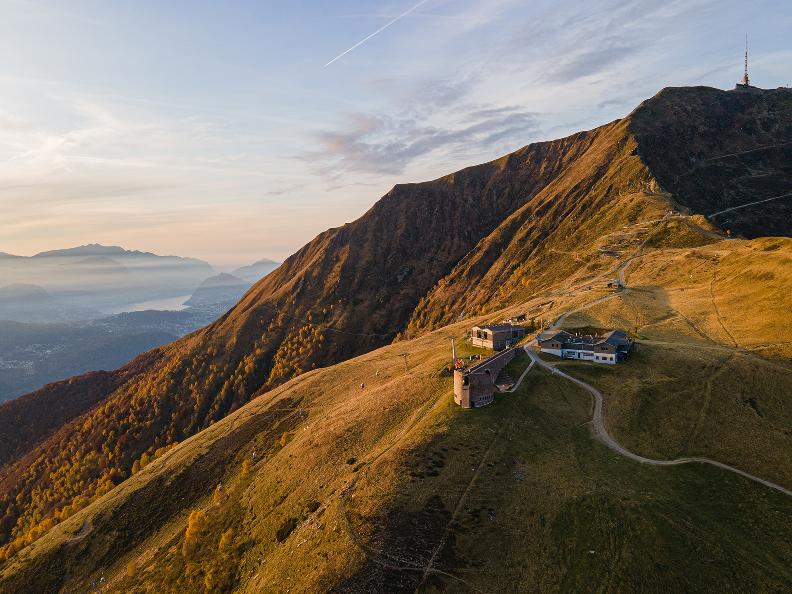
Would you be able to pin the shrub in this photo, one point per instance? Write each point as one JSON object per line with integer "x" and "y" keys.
{"x": 226, "y": 545}
{"x": 286, "y": 529}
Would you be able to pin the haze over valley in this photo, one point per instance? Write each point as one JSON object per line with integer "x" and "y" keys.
{"x": 96, "y": 307}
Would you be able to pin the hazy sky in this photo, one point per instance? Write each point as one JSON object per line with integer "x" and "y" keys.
{"x": 214, "y": 129}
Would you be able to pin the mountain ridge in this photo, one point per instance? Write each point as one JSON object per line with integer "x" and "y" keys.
{"x": 471, "y": 242}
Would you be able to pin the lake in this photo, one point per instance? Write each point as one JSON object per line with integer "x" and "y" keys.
{"x": 169, "y": 304}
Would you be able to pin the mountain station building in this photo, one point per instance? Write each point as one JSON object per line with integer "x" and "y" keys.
{"x": 609, "y": 348}
{"x": 496, "y": 336}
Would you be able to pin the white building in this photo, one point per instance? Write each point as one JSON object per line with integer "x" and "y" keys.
{"x": 610, "y": 348}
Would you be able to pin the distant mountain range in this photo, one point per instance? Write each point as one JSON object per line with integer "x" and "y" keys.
{"x": 89, "y": 281}
{"x": 223, "y": 288}
{"x": 23, "y": 292}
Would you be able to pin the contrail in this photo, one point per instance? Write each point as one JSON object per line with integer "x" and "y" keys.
{"x": 377, "y": 32}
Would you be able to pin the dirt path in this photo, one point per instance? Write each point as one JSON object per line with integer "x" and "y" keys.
{"x": 380, "y": 557}
{"x": 719, "y": 370}
{"x": 520, "y": 379}
{"x": 715, "y": 306}
{"x": 745, "y": 351}
{"x": 560, "y": 320}
{"x": 458, "y": 508}
{"x": 598, "y": 428}
{"x": 720, "y": 212}
{"x": 396, "y": 562}
{"x": 748, "y": 152}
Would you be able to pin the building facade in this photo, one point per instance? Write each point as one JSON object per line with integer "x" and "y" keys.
{"x": 496, "y": 336}
{"x": 609, "y": 348}
{"x": 475, "y": 387}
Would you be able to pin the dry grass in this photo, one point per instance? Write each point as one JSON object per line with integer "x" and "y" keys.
{"x": 373, "y": 480}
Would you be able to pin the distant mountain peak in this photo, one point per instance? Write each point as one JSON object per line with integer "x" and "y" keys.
{"x": 223, "y": 279}
{"x": 257, "y": 270}
{"x": 91, "y": 249}
{"x": 27, "y": 291}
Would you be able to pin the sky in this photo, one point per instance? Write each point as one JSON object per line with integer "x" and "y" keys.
{"x": 237, "y": 130}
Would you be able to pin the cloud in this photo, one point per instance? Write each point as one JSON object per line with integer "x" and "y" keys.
{"x": 439, "y": 121}
{"x": 612, "y": 103}
{"x": 571, "y": 41}
{"x": 388, "y": 144}
{"x": 589, "y": 62}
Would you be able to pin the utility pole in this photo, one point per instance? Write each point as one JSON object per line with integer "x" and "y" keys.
{"x": 453, "y": 352}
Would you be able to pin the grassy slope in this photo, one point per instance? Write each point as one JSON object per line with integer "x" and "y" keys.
{"x": 554, "y": 236}
{"x": 474, "y": 241}
{"x": 347, "y": 292}
{"x": 534, "y": 505}
{"x": 689, "y": 390}
{"x": 519, "y": 494}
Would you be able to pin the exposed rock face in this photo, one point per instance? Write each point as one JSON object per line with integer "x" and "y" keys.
{"x": 423, "y": 255}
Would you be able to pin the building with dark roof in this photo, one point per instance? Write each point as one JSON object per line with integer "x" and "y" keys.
{"x": 496, "y": 336}
{"x": 609, "y": 348}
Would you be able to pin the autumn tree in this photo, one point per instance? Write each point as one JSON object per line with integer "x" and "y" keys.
{"x": 195, "y": 526}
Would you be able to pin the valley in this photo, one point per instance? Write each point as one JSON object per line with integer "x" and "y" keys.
{"x": 33, "y": 354}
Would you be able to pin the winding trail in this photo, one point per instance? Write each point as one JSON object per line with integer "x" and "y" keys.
{"x": 720, "y": 212}
{"x": 598, "y": 428}
{"x": 597, "y": 421}
{"x": 748, "y": 152}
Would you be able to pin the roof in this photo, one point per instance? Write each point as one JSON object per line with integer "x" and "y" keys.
{"x": 478, "y": 367}
{"x": 614, "y": 338}
{"x": 617, "y": 338}
{"x": 497, "y": 327}
{"x": 560, "y": 335}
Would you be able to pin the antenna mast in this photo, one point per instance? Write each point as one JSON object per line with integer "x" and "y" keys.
{"x": 746, "y": 81}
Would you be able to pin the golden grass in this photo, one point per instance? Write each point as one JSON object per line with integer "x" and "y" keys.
{"x": 374, "y": 479}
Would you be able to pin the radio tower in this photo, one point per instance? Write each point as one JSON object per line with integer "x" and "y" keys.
{"x": 746, "y": 82}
